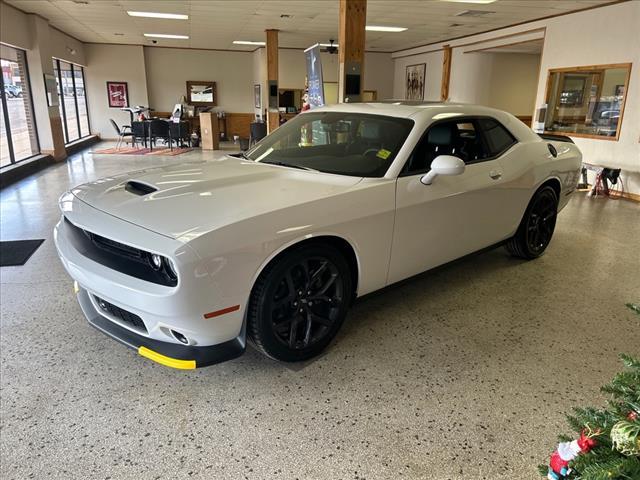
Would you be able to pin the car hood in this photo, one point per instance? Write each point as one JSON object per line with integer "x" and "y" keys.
{"x": 184, "y": 201}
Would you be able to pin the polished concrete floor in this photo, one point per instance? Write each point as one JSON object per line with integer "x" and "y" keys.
{"x": 463, "y": 373}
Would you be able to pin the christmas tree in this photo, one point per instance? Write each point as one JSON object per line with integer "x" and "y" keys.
{"x": 609, "y": 443}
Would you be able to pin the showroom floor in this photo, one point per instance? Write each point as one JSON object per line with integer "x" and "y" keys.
{"x": 463, "y": 373}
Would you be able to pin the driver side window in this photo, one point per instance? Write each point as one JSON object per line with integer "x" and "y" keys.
{"x": 459, "y": 138}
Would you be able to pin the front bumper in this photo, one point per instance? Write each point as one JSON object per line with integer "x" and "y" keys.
{"x": 169, "y": 354}
{"x": 193, "y": 321}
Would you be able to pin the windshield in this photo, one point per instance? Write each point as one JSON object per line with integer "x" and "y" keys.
{"x": 352, "y": 144}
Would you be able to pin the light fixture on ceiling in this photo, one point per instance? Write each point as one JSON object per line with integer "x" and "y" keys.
{"x": 248, "y": 42}
{"x": 381, "y": 28}
{"x": 173, "y": 16}
{"x": 470, "y": 1}
{"x": 166, "y": 35}
{"x": 329, "y": 45}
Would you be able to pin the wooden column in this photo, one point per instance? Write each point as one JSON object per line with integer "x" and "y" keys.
{"x": 273, "y": 117}
{"x": 353, "y": 18}
{"x": 446, "y": 73}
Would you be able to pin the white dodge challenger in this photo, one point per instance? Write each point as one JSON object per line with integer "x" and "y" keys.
{"x": 186, "y": 263}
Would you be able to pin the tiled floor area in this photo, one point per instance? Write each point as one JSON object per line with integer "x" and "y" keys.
{"x": 463, "y": 373}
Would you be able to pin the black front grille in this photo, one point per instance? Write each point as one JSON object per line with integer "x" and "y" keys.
{"x": 128, "y": 318}
{"x": 118, "y": 256}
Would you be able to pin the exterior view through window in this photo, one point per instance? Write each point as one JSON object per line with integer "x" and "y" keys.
{"x": 73, "y": 103}
{"x": 335, "y": 142}
{"x": 18, "y": 138}
{"x": 587, "y": 101}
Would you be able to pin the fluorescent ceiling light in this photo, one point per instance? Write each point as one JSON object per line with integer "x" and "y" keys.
{"x": 174, "y": 16}
{"x": 166, "y": 35}
{"x": 329, "y": 45}
{"x": 379, "y": 28}
{"x": 248, "y": 42}
{"x": 469, "y": 1}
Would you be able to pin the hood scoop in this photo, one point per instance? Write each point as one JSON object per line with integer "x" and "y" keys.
{"x": 139, "y": 188}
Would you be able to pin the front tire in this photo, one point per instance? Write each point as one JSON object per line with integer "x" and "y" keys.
{"x": 299, "y": 303}
{"x": 536, "y": 228}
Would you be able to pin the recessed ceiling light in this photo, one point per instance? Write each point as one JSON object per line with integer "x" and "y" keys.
{"x": 166, "y": 35}
{"x": 469, "y": 1}
{"x": 174, "y": 16}
{"x": 248, "y": 42}
{"x": 380, "y": 28}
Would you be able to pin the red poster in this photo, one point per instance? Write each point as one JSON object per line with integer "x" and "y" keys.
{"x": 118, "y": 94}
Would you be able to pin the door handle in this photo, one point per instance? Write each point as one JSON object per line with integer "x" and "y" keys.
{"x": 494, "y": 174}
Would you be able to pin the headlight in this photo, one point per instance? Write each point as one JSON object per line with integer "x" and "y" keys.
{"x": 156, "y": 261}
{"x": 163, "y": 265}
{"x": 170, "y": 269}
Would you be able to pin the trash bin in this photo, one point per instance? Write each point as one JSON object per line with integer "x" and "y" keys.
{"x": 244, "y": 144}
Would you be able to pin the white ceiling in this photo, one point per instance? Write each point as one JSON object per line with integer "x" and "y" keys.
{"x": 216, "y": 23}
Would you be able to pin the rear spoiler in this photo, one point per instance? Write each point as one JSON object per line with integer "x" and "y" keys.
{"x": 557, "y": 138}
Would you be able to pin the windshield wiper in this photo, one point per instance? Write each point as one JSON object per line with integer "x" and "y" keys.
{"x": 292, "y": 165}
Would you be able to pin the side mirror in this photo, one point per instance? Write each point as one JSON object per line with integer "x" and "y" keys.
{"x": 443, "y": 165}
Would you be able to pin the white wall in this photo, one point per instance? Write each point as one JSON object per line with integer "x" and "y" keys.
{"x": 169, "y": 69}
{"x": 513, "y": 82}
{"x": 117, "y": 63}
{"x": 433, "y": 74}
{"x": 565, "y": 45}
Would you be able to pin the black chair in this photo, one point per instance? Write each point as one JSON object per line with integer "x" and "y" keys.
{"x": 122, "y": 133}
{"x": 258, "y": 130}
{"x": 140, "y": 130}
{"x": 180, "y": 133}
{"x": 160, "y": 129}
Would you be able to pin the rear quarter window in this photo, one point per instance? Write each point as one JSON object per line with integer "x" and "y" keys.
{"x": 497, "y": 137}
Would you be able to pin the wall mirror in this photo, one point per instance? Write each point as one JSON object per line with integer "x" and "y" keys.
{"x": 201, "y": 93}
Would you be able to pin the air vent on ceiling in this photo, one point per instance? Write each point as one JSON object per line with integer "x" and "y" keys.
{"x": 453, "y": 25}
{"x": 139, "y": 188}
{"x": 473, "y": 13}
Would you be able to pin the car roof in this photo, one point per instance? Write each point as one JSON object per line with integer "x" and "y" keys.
{"x": 406, "y": 108}
{"x": 427, "y": 112}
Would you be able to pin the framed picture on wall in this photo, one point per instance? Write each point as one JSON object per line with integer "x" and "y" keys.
{"x": 257, "y": 97}
{"x": 414, "y": 82}
{"x": 118, "y": 94}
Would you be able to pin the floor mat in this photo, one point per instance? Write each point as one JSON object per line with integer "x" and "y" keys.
{"x": 143, "y": 151}
{"x": 17, "y": 252}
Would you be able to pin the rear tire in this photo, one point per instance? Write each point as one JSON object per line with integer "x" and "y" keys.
{"x": 536, "y": 228}
{"x": 299, "y": 302}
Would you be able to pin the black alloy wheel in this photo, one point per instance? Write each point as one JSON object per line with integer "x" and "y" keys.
{"x": 536, "y": 228}
{"x": 299, "y": 303}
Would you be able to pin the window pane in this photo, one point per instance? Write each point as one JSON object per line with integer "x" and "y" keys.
{"x": 55, "y": 73}
{"x": 18, "y": 97}
{"x": 69, "y": 101}
{"x": 5, "y": 159}
{"x": 586, "y": 101}
{"x": 498, "y": 138}
{"x": 82, "y": 101}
